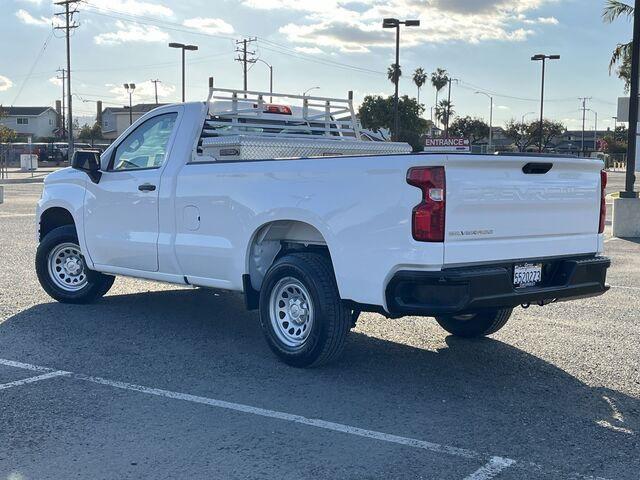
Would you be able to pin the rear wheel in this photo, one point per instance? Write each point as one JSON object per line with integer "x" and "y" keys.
{"x": 476, "y": 324}
{"x": 303, "y": 318}
{"x": 62, "y": 270}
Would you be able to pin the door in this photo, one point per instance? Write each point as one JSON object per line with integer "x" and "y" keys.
{"x": 121, "y": 211}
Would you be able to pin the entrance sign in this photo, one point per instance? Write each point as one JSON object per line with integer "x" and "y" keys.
{"x": 444, "y": 145}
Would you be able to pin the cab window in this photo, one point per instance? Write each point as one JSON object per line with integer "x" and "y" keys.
{"x": 146, "y": 146}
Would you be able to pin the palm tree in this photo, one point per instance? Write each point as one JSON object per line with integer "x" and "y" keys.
{"x": 444, "y": 111}
{"x": 613, "y": 10}
{"x": 419, "y": 78}
{"x": 394, "y": 73}
{"x": 439, "y": 80}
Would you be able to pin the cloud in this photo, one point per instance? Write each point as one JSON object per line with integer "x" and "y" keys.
{"x": 503, "y": 107}
{"x": 309, "y": 50}
{"x": 350, "y": 26}
{"x": 5, "y": 83}
{"x": 133, "y": 7}
{"x": 144, "y": 92}
{"x": 27, "y": 18}
{"x": 212, "y": 26}
{"x": 131, "y": 33}
{"x": 57, "y": 81}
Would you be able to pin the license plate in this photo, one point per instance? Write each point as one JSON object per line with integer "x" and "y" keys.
{"x": 527, "y": 275}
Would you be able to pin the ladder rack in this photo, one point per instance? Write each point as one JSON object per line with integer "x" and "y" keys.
{"x": 231, "y": 112}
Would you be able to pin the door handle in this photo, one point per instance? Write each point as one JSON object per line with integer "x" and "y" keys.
{"x": 146, "y": 187}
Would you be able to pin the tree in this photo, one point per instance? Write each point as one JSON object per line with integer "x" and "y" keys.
{"x": 616, "y": 142}
{"x": 474, "y": 129}
{"x": 444, "y": 111}
{"x": 621, "y": 56}
{"x": 376, "y": 112}
{"x": 524, "y": 135}
{"x": 550, "y": 130}
{"x": 419, "y": 78}
{"x": 90, "y": 132}
{"x": 439, "y": 80}
{"x": 6, "y": 134}
{"x": 394, "y": 72}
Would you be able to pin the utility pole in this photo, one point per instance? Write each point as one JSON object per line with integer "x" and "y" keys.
{"x": 69, "y": 25}
{"x": 244, "y": 59}
{"x": 155, "y": 86}
{"x": 63, "y": 78}
{"x": 584, "y": 118}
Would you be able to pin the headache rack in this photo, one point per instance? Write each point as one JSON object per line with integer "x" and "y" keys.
{"x": 243, "y": 125}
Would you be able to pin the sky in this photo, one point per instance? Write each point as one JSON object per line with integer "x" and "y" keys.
{"x": 337, "y": 45}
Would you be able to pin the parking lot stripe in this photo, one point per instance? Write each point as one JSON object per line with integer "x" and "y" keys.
{"x": 628, "y": 288}
{"x": 24, "y": 381}
{"x": 494, "y": 466}
{"x": 25, "y": 366}
{"x": 491, "y": 469}
{"x": 336, "y": 427}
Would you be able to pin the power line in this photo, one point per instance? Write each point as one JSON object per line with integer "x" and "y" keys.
{"x": 33, "y": 66}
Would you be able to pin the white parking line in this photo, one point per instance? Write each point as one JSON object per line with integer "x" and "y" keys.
{"x": 25, "y": 381}
{"x": 491, "y": 469}
{"x": 627, "y": 288}
{"x": 11, "y": 215}
{"x": 494, "y": 466}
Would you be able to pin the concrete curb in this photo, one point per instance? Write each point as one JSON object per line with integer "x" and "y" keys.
{"x": 9, "y": 181}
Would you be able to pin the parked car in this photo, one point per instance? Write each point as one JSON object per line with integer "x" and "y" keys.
{"x": 311, "y": 242}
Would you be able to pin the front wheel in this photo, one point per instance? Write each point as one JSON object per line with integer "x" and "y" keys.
{"x": 62, "y": 270}
{"x": 303, "y": 318}
{"x": 476, "y": 324}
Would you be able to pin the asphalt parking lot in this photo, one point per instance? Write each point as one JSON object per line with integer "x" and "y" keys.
{"x": 156, "y": 381}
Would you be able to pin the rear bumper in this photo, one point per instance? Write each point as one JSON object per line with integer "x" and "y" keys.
{"x": 460, "y": 290}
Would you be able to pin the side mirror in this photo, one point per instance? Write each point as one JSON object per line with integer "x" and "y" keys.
{"x": 89, "y": 162}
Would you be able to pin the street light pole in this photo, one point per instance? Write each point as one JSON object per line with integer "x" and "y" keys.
{"x": 270, "y": 77}
{"x": 490, "y": 119}
{"x": 183, "y": 47}
{"x": 595, "y": 138}
{"x": 633, "y": 108}
{"x": 304, "y": 94}
{"x": 130, "y": 87}
{"x": 525, "y": 115}
{"x": 395, "y": 23}
{"x": 543, "y": 58}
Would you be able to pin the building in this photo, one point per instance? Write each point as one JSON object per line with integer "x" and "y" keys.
{"x": 115, "y": 120}
{"x": 35, "y": 122}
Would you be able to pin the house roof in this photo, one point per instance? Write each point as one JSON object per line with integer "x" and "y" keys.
{"x": 138, "y": 108}
{"x": 24, "y": 111}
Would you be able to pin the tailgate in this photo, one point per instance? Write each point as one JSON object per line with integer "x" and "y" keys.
{"x": 496, "y": 211}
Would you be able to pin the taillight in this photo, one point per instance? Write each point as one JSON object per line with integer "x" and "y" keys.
{"x": 428, "y": 217}
{"x": 603, "y": 200}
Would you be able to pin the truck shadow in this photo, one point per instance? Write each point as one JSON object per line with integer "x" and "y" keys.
{"x": 464, "y": 393}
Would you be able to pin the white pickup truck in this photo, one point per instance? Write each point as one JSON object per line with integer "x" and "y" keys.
{"x": 185, "y": 196}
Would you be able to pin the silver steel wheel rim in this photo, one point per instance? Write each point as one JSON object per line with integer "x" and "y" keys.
{"x": 66, "y": 267}
{"x": 291, "y": 312}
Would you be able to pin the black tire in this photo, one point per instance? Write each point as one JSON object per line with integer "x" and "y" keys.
{"x": 97, "y": 284}
{"x": 477, "y": 324}
{"x": 331, "y": 318}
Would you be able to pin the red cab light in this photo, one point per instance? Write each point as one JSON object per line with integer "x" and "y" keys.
{"x": 428, "y": 217}
{"x": 277, "y": 109}
{"x": 603, "y": 200}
